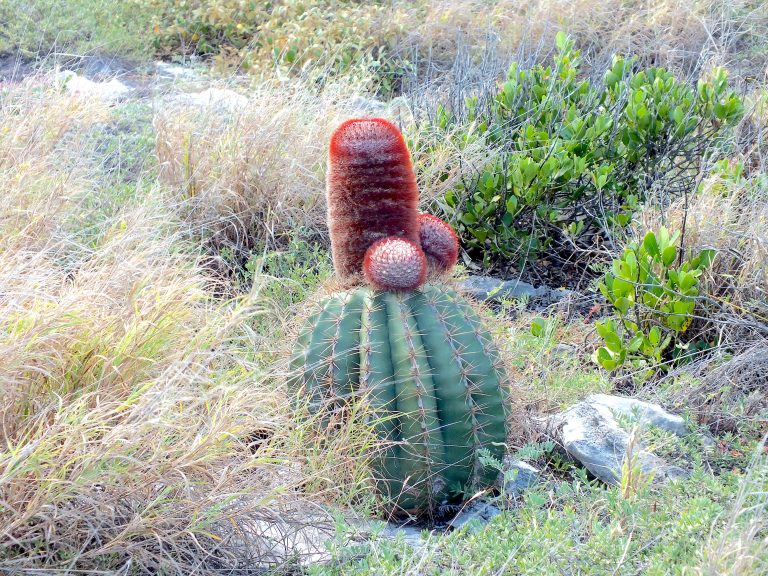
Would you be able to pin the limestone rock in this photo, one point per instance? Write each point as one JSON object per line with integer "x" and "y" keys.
{"x": 109, "y": 91}
{"x": 217, "y": 99}
{"x": 489, "y": 288}
{"x": 590, "y": 434}
{"x": 645, "y": 412}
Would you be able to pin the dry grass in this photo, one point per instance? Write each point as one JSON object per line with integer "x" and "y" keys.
{"x": 724, "y": 391}
{"x": 739, "y": 548}
{"x": 141, "y": 431}
{"x": 682, "y": 36}
{"x": 37, "y": 189}
{"x": 442, "y": 166}
{"x": 253, "y": 175}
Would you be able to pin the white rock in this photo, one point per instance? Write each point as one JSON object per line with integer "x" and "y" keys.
{"x": 277, "y": 540}
{"x": 174, "y": 71}
{"x": 645, "y": 412}
{"x": 216, "y": 98}
{"x": 591, "y": 435}
{"x": 368, "y": 530}
{"x": 108, "y": 91}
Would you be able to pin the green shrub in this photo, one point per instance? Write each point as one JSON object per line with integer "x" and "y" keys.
{"x": 577, "y": 157}
{"x": 291, "y": 33}
{"x": 653, "y": 299}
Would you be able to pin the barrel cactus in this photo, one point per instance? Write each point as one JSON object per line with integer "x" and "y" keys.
{"x": 416, "y": 352}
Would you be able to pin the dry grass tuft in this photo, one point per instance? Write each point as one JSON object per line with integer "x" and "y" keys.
{"x": 253, "y": 175}
{"x": 725, "y": 392}
{"x": 441, "y": 166}
{"x": 140, "y": 430}
{"x": 738, "y": 550}
{"x": 39, "y": 177}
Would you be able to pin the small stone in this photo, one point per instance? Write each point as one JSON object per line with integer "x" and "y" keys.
{"x": 564, "y": 352}
{"x": 494, "y": 289}
{"x": 675, "y": 473}
{"x": 520, "y": 476}
{"x": 564, "y": 349}
{"x": 104, "y": 67}
{"x": 474, "y": 515}
{"x": 412, "y": 535}
{"x": 489, "y": 288}
{"x": 365, "y": 106}
{"x": 370, "y": 530}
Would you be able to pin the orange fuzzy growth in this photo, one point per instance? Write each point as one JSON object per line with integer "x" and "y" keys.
{"x": 439, "y": 241}
{"x": 371, "y": 188}
{"x": 395, "y": 264}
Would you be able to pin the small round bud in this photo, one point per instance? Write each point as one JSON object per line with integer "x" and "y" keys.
{"x": 395, "y": 263}
{"x": 439, "y": 241}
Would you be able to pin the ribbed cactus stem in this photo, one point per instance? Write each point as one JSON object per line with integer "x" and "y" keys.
{"x": 416, "y": 399}
{"x": 371, "y": 189}
{"x": 453, "y": 376}
{"x": 430, "y": 378}
{"x": 377, "y": 388}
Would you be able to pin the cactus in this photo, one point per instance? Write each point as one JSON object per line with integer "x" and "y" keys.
{"x": 430, "y": 371}
{"x": 417, "y": 353}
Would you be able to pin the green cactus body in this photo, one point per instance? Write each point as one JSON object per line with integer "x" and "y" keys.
{"x": 430, "y": 371}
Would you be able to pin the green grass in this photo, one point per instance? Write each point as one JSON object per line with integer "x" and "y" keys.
{"x": 119, "y": 151}
{"x": 553, "y": 365}
{"x": 75, "y": 27}
{"x": 571, "y": 525}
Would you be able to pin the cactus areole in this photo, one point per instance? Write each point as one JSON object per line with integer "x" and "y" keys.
{"x": 415, "y": 352}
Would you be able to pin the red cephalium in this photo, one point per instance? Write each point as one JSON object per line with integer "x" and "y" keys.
{"x": 372, "y": 191}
